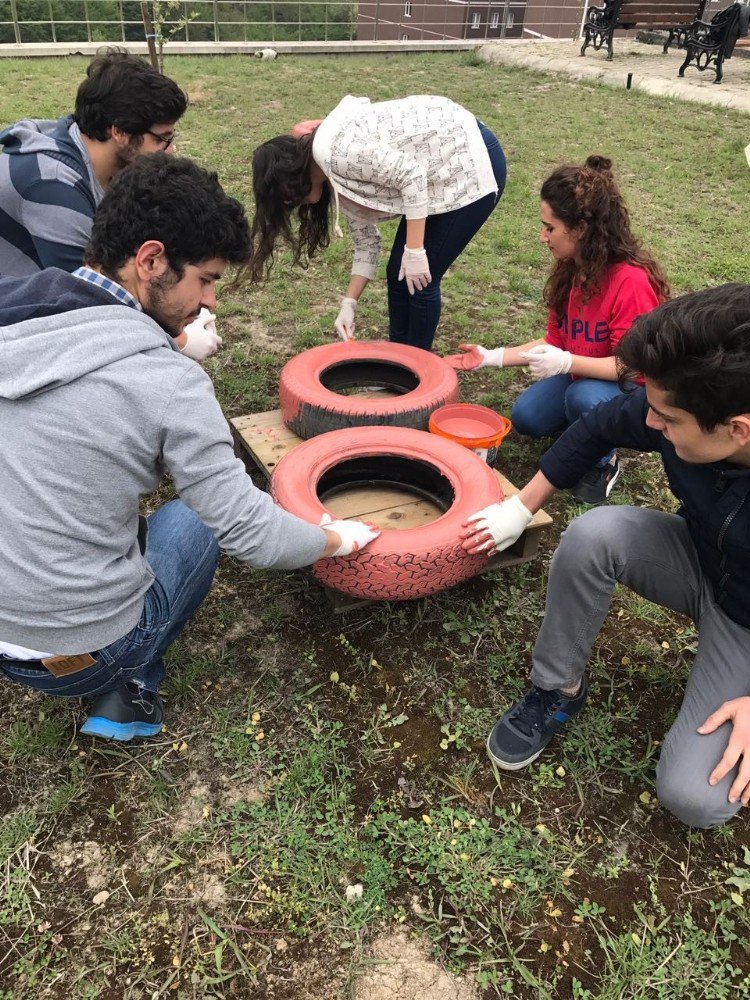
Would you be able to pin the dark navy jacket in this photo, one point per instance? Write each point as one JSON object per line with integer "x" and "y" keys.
{"x": 715, "y": 498}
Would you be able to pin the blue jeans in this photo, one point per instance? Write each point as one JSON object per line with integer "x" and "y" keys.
{"x": 183, "y": 554}
{"x": 414, "y": 318}
{"x": 552, "y": 404}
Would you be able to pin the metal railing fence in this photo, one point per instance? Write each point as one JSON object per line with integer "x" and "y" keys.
{"x": 182, "y": 20}
{"x": 271, "y": 21}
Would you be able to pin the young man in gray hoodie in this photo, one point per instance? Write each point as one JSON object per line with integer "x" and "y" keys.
{"x": 96, "y": 405}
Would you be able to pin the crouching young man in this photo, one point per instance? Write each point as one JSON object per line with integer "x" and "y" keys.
{"x": 695, "y": 411}
{"x": 96, "y": 405}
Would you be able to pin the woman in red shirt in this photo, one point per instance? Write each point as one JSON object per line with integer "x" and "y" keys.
{"x": 601, "y": 281}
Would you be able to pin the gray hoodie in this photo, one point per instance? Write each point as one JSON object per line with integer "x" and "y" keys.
{"x": 96, "y": 405}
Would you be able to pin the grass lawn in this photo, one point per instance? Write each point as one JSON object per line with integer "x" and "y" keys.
{"x": 309, "y": 752}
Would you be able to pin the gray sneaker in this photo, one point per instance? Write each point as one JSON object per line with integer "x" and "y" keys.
{"x": 125, "y": 713}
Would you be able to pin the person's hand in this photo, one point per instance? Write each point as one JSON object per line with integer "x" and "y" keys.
{"x": 354, "y": 535}
{"x": 496, "y": 527}
{"x": 475, "y": 356}
{"x": 737, "y": 712}
{"x": 344, "y": 325}
{"x": 546, "y": 360}
{"x": 202, "y": 338}
{"x": 416, "y": 269}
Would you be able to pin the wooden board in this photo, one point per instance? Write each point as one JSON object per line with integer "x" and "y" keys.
{"x": 265, "y": 440}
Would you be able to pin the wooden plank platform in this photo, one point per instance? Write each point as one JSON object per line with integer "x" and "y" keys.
{"x": 264, "y": 440}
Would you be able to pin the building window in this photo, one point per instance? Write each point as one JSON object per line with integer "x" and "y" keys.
{"x": 404, "y": 37}
{"x": 407, "y": 8}
{"x": 510, "y": 18}
{"x": 476, "y": 21}
{"x": 495, "y": 19}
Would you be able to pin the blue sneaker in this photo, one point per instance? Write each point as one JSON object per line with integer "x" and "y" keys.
{"x": 528, "y": 726}
{"x": 124, "y": 714}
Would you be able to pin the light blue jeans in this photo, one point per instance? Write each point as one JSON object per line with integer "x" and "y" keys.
{"x": 552, "y": 404}
{"x": 183, "y": 554}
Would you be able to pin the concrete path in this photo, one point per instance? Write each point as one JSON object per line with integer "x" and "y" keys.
{"x": 652, "y": 71}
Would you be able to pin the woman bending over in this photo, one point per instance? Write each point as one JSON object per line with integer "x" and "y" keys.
{"x": 423, "y": 158}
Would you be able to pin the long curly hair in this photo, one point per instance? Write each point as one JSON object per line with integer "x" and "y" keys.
{"x": 281, "y": 182}
{"x": 589, "y": 194}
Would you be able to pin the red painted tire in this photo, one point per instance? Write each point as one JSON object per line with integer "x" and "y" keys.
{"x": 311, "y": 383}
{"x": 398, "y": 565}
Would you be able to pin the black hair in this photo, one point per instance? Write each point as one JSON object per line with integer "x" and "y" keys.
{"x": 696, "y": 348}
{"x": 123, "y": 90}
{"x": 281, "y": 182}
{"x": 173, "y": 200}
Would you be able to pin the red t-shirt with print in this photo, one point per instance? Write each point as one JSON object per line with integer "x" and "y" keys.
{"x": 592, "y": 329}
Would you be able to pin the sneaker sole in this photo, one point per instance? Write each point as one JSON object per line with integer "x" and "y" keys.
{"x": 515, "y": 765}
{"x": 612, "y": 481}
{"x": 123, "y": 732}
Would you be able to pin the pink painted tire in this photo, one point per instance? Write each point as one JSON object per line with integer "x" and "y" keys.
{"x": 311, "y": 385}
{"x": 398, "y": 565}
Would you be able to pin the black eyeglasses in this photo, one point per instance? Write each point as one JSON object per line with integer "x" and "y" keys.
{"x": 166, "y": 138}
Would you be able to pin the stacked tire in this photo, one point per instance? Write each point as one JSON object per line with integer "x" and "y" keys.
{"x": 398, "y": 565}
{"x": 312, "y": 387}
{"x": 351, "y": 441}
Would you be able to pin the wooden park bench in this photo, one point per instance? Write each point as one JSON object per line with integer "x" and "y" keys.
{"x": 709, "y": 43}
{"x": 674, "y": 16}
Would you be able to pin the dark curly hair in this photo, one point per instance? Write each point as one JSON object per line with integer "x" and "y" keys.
{"x": 121, "y": 89}
{"x": 173, "y": 200}
{"x": 281, "y": 182}
{"x": 589, "y": 194}
{"x": 696, "y": 348}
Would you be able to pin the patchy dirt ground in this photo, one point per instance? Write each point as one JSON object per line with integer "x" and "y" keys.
{"x": 399, "y": 968}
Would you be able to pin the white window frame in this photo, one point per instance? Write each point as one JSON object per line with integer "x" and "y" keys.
{"x": 476, "y": 21}
{"x": 494, "y": 20}
{"x": 407, "y": 8}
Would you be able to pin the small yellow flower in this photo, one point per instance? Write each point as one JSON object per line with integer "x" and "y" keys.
{"x": 426, "y": 819}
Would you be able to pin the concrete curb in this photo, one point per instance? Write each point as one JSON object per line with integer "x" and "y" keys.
{"x": 37, "y": 50}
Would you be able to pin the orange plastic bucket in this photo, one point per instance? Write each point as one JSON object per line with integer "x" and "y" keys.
{"x": 473, "y": 426}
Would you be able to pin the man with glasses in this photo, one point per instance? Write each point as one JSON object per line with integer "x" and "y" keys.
{"x": 55, "y": 173}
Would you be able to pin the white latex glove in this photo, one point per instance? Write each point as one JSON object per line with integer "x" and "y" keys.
{"x": 546, "y": 360}
{"x": 344, "y": 325}
{"x": 416, "y": 269}
{"x": 475, "y": 356}
{"x": 496, "y": 527}
{"x": 202, "y": 338}
{"x": 354, "y": 535}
